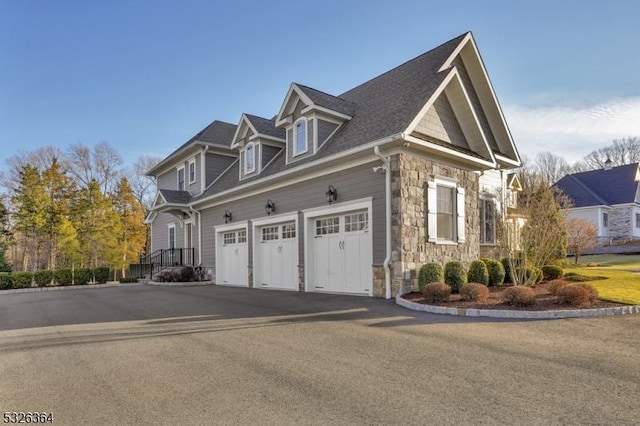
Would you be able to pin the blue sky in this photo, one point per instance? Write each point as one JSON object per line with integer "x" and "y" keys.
{"x": 147, "y": 75}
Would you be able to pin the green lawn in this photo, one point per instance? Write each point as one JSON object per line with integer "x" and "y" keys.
{"x": 617, "y": 277}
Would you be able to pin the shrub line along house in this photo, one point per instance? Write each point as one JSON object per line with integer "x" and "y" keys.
{"x": 345, "y": 194}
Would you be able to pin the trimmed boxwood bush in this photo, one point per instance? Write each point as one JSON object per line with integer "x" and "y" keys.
{"x": 129, "y": 280}
{"x": 496, "y": 271}
{"x": 478, "y": 272}
{"x": 6, "y": 280}
{"x": 169, "y": 276}
{"x": 101, "y": 274}
{"x": 455, "y": 275}
{"x": 475, "y": 292}
{"x": 552, "y": 272}
{"x": 63, "y": 276}
{"x": 519, "y": 295}
{"x": 21, "y": 279}
{"x": 430, "y": 273}
{"x": 436, "y": 292}
{"x": 580, "y": 295}
{"x": 43, "y": 278}
{"x": 82, "y": 276}
{"x": 555, "y": 285}
{"x": 187, "y": 274}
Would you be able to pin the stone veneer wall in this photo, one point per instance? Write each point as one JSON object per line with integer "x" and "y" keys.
{"x": 409, "y": 177}
{"x": 621, "y": 222}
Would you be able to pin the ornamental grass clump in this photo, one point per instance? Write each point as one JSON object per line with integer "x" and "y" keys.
{"x": 578, "y": 295}
{"x": 478, "y": 272}
{"x": 519, "y": 295}
{"x": 475, "y": 292}
{"x": 455, "y": 275}
{"x": 436, "y": 292}
{"x": 430, "y": 273}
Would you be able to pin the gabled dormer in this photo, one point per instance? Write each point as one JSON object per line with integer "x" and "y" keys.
{"x": 309, "y": 118}
{"x": 258, "y": 141}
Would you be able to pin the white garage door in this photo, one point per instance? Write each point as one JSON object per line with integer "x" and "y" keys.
{"x": 276, "y": 263}
{"x": 231, "y": 258}
{"x": 342, "y": 254}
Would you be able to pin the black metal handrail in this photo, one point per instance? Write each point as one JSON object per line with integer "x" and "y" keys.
{"x": 155, "y": 262}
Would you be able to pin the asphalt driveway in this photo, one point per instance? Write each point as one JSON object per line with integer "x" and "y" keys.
{"x": 216, "y": 355}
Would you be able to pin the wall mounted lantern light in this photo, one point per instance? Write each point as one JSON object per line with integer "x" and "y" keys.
{"x": 227, "y": 216}
{"x": 332, "y": 194}
{"x": 270, "y": 207}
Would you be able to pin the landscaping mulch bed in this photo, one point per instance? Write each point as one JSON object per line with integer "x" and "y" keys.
{"x": 544, "y": 301}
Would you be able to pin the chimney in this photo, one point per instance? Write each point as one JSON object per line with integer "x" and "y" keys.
{"x": 607, "y": 164}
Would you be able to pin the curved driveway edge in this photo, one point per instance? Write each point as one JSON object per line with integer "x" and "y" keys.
{"x": 497, "y": 313}
{"x": 89, "y": 286}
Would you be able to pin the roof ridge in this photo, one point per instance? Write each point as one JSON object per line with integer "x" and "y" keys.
{"x": 455, "y": 39}
{"x": 320, "y": 91}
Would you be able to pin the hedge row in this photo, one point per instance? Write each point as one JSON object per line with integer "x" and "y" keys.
{"x": 59, "y": 277}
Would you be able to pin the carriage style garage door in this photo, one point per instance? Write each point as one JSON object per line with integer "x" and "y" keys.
{"x": 231, "y": 257}
{"x": 276, "y": 256}
{"x": 341, "y": 253}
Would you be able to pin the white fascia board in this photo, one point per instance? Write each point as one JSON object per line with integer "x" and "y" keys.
{"x": 451, "y": 152}
{"x": 313, "y": 107}
{"x": 447, "y": 63}
{"x": 244, "y": 120}
{"x": 243, "y": 188}
{"x": 271, "y": 138}
{"x": 416, "y": 120}
{"x": 150, "y": 218}
{"x": 280, "y": 119}
{"x": 506, "y": 160}
{"x": 596, "y": 207}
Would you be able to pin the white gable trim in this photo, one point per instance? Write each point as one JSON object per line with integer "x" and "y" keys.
{"x": 243, "y": 121}
{"x": 281, "y": 118}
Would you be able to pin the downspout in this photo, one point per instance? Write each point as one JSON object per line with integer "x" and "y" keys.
{"x": 197, "y": 213}
{"x": 387, "y": 259}
{"x": 203, "y": 185}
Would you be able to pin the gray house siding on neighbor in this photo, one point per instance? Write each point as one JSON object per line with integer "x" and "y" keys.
{"x": 352, "y": 184}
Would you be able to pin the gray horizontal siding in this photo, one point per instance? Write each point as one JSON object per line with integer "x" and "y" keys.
{"x": 268, "y": 152}
{"x": 168, "y": 180}
{"x": 215, "y": 165}
{"x": 352, "y": 184}
{"x": 194, "y": 188}
{"x": 160, "y": 232}
{"x": 325, "y": 128}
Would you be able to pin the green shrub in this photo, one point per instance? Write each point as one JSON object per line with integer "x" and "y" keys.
{"x": 496, "y": 271}
{"x": 478, "y": 272}
{"x": 430, "y": 273}
{"x": 454, "y": 275}
{"x": 6, "y": 280}
{"x": 129, "y": 279}
{"x": 169, "y": 276}
{"x": 552, "y": 272}
{"x": 475, "y": 292}
{"x": 82, "y": 276}
{"x": 22, "y": 279}
{"x": 62, "y": 276}
{"x": 532, "y": 274}
{"x": 579, "y": 295}
{"x": 187, "y": 274}
{"x": 519, "y": 295}
{"x": 101, "y": 274}
{"x": 436, "y": 292}
{"x": 555, "y": 285}
{"x": 43, "y": 278}
{"x": 507, "y": 269}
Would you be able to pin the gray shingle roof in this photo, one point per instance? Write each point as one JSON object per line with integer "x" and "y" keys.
{"x": 601, "y": 187}
{"x": 381, "y": 107}
{"x": 176, "y": 197}
{"x": 267, "y": 127}
{"x": 328, "y": 101}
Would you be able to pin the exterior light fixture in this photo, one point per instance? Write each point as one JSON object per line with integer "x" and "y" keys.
{"x": 332, "y": 194}
{"x": 227, "y": 216}
{"x": 270, "y": 207}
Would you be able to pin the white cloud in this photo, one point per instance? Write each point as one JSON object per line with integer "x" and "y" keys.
{"x": 573, "y": 131}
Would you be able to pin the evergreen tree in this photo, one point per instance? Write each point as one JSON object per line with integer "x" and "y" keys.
{"x": 133, "y": 232}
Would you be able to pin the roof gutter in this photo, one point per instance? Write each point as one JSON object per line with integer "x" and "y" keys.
{"x": 387, "y": 177}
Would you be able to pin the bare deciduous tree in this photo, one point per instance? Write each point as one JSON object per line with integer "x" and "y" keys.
{"x": 102, "y": 165}
{"x": 551, "y": 167}
{"x": 143, "y": 186}
{"x": 581, "y": 236}
{"x": 620, "y": 152}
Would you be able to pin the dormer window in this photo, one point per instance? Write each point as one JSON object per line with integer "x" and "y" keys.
{"x": 250, "y": 158}
{"x": 300, "y": 134}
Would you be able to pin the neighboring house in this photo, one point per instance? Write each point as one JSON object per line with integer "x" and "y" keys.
{"x": 609, "y": 198}
{"x": 349, "y": 193}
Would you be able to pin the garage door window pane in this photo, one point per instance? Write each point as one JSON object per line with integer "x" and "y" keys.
{"x": 242, "y": 236}
{"x": 229, "y": 237}
{"x": 288, "y": 231}
{"x": 356, "y": 222}
{"x": 329, "y": 225}
{"x": 270, "y": 233}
